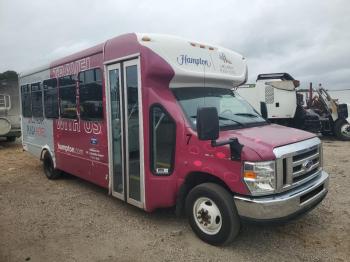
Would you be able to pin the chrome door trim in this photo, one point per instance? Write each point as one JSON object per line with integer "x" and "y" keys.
{"x": 109, "y": 131}
{"x": 141, "y": 203}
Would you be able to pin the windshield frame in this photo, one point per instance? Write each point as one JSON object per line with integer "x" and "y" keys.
{"x": 236, "y": 123}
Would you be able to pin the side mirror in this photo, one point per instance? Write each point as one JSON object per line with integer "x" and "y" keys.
{"x": 263, "y": 110}
{"x": 207, "y": 123}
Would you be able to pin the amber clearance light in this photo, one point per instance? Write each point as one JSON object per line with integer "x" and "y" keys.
{"x": 146, "y": 38}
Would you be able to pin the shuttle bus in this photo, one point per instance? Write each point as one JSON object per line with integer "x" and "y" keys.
{"x": 152, "y": 118}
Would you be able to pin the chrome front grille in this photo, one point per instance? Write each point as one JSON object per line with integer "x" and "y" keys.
{"x": 297, "y": 163}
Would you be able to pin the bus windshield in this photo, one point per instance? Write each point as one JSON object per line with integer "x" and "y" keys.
{"x": 234, "y": 111}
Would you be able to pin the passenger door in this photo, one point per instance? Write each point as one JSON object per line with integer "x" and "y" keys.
{"x": 125, "y": 131}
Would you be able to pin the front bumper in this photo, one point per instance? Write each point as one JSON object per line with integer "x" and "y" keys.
{"x": 286, "y": 205}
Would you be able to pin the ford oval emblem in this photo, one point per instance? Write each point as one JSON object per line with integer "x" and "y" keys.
{"x": 307, "y": 165}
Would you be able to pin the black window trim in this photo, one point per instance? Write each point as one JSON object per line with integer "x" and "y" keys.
{"x": 172, "y": 166}
{"x": 58, "y": 98}
{"x": 102, "y": 88}
{"x": 29, "y": 91}
{"x": 77, "y": 116}
{"x": 41, "y": 87}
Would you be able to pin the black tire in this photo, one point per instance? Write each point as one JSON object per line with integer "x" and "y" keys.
{"x": 49, "y": 170}
{"x": 11, "y": 139}
{"x": 224, "y": 201}
{"x": 339, "y": 125}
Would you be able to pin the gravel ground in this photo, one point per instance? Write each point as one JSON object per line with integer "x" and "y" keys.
{"x": 73, "y": 220}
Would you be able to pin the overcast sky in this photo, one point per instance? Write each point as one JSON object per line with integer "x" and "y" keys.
{"x": 308, "y": 39}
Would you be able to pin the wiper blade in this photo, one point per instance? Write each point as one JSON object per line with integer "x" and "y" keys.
{"x": 225, "y": 118}
{"x": 235, "y": 121}
{"x": 246, "y": 114}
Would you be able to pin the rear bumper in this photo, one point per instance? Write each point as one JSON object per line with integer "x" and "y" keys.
{"x": 286, "y": 205}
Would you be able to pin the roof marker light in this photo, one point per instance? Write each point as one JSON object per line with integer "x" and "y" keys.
{"x": 202, "y": 46}
{"x": 146, "y": 38}
{"x": 192, "y": 44}
{"x": 211, "y": 48}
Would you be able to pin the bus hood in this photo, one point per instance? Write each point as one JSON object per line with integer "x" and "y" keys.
{"x": 263, "y": 139}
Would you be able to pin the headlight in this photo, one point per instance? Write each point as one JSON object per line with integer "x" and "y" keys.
{"x": 260, "y": 177}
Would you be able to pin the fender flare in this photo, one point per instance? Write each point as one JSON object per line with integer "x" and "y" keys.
{"x": 46, "y": 148}
{"x": 191, "y": 180}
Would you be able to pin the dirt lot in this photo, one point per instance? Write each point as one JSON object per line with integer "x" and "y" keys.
{"x": 72, "y": 220}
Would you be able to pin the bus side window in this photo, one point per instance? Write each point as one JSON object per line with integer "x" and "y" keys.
{"x": 37, "y": 100}
{"x": 163, "y": 134}
{"x": 68, "y": 96}
{"x": 90, "y": 94}
{"x": 26, "y": 101}
{"x": 50, "y": 98}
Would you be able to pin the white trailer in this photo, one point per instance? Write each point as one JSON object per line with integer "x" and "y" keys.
{"x": 277, "y": 94}
{"x": 277, "y": 91}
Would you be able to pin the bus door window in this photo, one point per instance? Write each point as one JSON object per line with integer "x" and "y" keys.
{"x": 133, "y": 132}
{"x": 114, "y": 84}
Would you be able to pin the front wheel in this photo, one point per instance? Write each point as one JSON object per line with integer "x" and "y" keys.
{"x": 212, "y": 214}
{"x": 342, "y": 129}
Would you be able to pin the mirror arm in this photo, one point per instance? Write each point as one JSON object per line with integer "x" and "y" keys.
{"x": 235, "y": 147}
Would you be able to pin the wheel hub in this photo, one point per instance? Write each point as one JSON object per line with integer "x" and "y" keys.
{"x": 207, "y": 216}
{"x": 345, "y": 130}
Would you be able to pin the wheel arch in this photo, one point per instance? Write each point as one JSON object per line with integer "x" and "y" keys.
{"x": 45, "y": 149}
{"x": 193, "y": 179}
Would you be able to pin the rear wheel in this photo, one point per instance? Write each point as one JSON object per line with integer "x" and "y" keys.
{"x": 342, "y": 129}
{"x": 49, "y": 170}
{"x": 212, "y": 214}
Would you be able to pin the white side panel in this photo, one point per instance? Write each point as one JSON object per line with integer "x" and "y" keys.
{"x": 37, "y": 133}
{"x": 284, "y": 104}
{"x": 280, "y": 103}
{"x": 251, "y": 95}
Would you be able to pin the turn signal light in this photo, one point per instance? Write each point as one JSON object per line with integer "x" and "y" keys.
{"x": 249, "y": 175}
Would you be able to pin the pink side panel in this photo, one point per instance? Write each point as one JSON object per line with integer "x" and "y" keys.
{"x": 81, "y": 147}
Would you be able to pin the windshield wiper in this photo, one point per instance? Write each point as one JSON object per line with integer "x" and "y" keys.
{"x": 225, "y": 118}
{"x": 235, "y": 121}
{"x": 246, "y": 114}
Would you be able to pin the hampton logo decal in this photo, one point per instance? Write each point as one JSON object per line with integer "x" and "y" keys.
{"x": 185, "y": 60}
{"x": 223, "y": 57}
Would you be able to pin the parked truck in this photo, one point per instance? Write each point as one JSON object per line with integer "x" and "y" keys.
{"x": 313, "y": 110}
{"x": 10, "y": 126}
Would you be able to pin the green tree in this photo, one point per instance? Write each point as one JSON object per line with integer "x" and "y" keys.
{"x": 9, "y": 75}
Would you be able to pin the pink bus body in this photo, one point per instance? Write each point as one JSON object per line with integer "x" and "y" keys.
{"x": 116, "y": 151}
